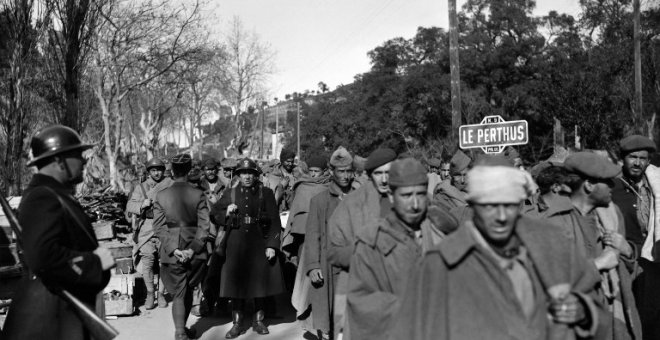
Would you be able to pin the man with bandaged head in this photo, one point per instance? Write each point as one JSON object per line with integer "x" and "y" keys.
{"x": 500, "y": 275}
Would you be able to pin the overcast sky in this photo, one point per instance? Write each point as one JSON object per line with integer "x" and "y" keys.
{"x": 328, "y": 40}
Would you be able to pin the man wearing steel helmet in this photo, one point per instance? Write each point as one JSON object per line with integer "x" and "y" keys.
{"x": 248, "y": 213}
{"x": 59, "y": 246}
{"x": 181, "y": 223}
{"x": 140, "y": 205}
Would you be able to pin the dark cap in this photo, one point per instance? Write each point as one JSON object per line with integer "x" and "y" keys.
{"x": 286, "y": 154}
{"x": 407, "y": 172}
{"x": 459, "y": 162}
{"x": 636, "y": 143}
{"x": 317, "y": 161}
{"x": 210, "y": 163}
{"x": 589, "y": 164}
{"x": 434, "y": 162}
{"x": 182, "y": 158}
{"x": 379, "y": 157}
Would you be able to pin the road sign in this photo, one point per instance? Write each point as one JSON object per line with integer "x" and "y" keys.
{"x": 493, "y": 134}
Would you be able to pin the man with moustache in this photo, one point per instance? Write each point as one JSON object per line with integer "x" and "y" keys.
{"x": 210, "y": 183}
{"x": 387, "y": 249}
{"x": 146, "y": 246}
{"x": 58, "y": 244}
{"x": 451, "y": 194}
{"x": 367, "y": 203}
{"x": 637, "y": 193}
{"x": 500, "y": 275}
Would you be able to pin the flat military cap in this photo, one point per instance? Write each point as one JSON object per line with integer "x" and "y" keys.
{"x": 407, "y": 172}
{"x": 379, "y": 157}
{"x": 591, "y": 165}
{"x": 434, "y": 162}
{"x": 228, "y": 163}
{"x": 183, "y": 158}
{"x": 636, "y": 143}
{"x": 459, "y": 162}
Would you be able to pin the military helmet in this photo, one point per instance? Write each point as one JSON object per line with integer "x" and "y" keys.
{"x": 54, "y": 140}
{"x": 155, "y": 163}
{"x": 247, "y": 164}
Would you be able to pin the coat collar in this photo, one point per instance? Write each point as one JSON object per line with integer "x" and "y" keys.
{"x": 39, "y": 180}
{"x": 558, "y": 206}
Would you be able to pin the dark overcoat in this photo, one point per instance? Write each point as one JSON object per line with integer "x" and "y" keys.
{"x": 458, "y": 291}
{"x": 58, "y": 250}
{"x": 246, "y": 272}
{"x": 316, "y": 256}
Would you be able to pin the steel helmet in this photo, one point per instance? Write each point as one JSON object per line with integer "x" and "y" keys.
{"x": 54, "y": 140}
{"x": 247, "y": 164}
{"x": 155, "y": 163}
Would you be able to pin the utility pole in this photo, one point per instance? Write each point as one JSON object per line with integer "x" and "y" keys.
{"x": 638, "y": 65}
{"x": 298, "y": 128}
{"x": 263, "y": 113}
{"x": 277, "y": 129}
{"x": 455, "y": 71}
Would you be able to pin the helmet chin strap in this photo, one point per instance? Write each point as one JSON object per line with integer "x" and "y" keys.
{"x": 69, "y": 177}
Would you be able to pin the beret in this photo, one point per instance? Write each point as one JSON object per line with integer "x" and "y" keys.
{"x": 379, "y": 157}
{"x": 317, "y": 161}
{"x": 636, "y": 143}
{"x": 591, "y": 165}
{"x": 210, "y": 163}
{"x": 286, "y": 154}
{"x": 434, "y": 162}
{"x": 341, "y": 158}
{"x": 406, "y": 172}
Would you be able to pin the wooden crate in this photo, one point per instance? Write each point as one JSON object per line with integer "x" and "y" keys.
{"x": 119, "y": 307}
{"x": 104, "y": 230}
{"x": 124, "y": 266}
{"x": 119, "y": 250}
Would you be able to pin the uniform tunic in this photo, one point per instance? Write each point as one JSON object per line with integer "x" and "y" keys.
{"x": 58, "y": 248}
{"x": 247, "y": 273}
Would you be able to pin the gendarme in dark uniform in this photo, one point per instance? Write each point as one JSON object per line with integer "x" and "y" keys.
{"x": 181, "y": 223}
{"x": 252, "y": 226}
{"x": 59, "y": 245}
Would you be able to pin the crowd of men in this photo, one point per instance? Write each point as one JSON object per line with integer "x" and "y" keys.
{"x": 390, "y": 247}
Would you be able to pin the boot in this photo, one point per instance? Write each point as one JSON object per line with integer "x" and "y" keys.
{"x": 162, "y": 303}
{"x": 149, "y": 302}
{"x": 235, "y": 331}
{"x": 258, "y": 326}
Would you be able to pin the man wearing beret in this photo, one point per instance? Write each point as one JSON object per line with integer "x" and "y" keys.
{"x": 181, "y": 223}
{"x": 367, "y": 203}
{"x": 595, "y": 226}
{"x": 387, "y": 249}
{"x": 497, "y": 276}
{"x": 637, "y": 193}
{"x": 452, "y": 194}
{"x": 314, "y": 259}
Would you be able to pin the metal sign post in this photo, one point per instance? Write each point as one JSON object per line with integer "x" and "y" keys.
{"x": 493, "y": 134}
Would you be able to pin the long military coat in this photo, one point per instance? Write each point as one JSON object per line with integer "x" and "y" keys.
{"x": 459, "y": 292}
{"x": 315, "y": 251}
{"x": 385, "y": 253}
{"x": 58, "y": 248}
{"x": 246, "y": 272}
{"x": 134, "y": 206}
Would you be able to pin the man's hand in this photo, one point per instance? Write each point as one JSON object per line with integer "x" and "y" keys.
{"x": 188, "y": 254}
{"x": 180, "y": 256}
{"x": 316, "y": 276}
{"x": 104, "y": 254}
{"x": 146, "y": 203}
{"x": 618, "y": 242}
{"x": 231, "y": 209}
{"x": 568, "y": 310}
{"x": 607, "y": 260}
{"x": 270, "y": 253}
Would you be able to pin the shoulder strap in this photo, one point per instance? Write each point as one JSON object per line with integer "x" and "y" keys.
{"x": 77, "y": 221}
{"x": 144, "y": 193}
